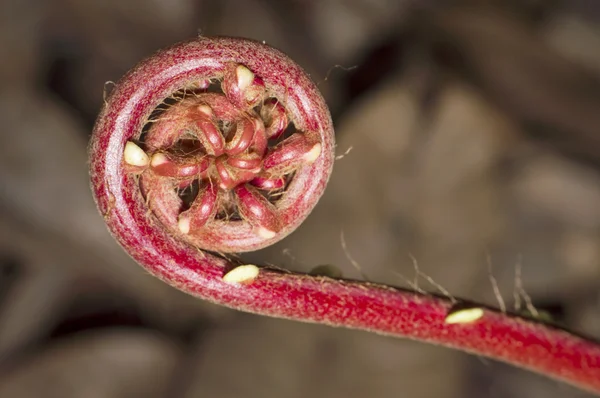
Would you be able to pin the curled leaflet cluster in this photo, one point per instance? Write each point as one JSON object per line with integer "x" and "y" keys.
{"x": 232, "y": 146}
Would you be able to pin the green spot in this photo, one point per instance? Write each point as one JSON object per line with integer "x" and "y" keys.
{"x": 542, "y": 316}
{"x": 326, "y": 270}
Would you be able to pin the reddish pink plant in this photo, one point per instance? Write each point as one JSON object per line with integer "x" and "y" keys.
{"x": 225, "y": 145}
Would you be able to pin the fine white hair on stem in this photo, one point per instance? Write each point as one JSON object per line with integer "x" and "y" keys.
{"x": 494, "y": 283}
{"x": 520, "y": 292}
{"x": 432, "y": 282}
{"x": 354, "y": 263}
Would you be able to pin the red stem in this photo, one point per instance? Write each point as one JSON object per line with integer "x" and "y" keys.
{"x": 377, "y": 308}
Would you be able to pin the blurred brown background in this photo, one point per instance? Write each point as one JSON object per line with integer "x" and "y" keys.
{"x": 475, "y": 136}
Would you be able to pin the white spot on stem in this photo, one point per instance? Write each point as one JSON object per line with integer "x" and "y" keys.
{"x": 158, "y": 159}
{"x": 242, "y": 274}
{"x": 184, "y": 225}
{"x": 205, "y": 109}
{"x": 134, "y": 155}
{"x": 313, "y": 154}
{"x": 265, "y": 233}
{"x": 245, "y": 77}
{"x": 466, "y": 315}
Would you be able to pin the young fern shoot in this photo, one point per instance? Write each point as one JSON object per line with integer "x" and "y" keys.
{"x": 225, "y": 145}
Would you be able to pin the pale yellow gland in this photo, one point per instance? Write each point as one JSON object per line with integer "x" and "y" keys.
{"x": 242, "y": 274}
{"x": 207, "y": 110}
{"x": 467, "y": 315}
{"x": 134, "y": 155}
{"x": 265, "y": 233}
{"x": 158, "y": 159}
{"x": 313, "y": 154}
{"x": 245, "y": 77}
{"x": 184, "y": 225}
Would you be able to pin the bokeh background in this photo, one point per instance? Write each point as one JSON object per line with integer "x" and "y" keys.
{"x": 473, "y": 131}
